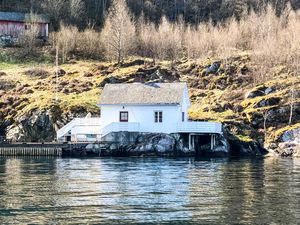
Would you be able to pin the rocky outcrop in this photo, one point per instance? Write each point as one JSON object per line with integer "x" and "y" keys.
{"x": 259, "y": 91}
{"x": 287, "y": 145}
{"x": 37, "y": 127}
{"x": 40, "y": 125}
{"x": 171, "y": 145}
{"x": 145, "y": 144}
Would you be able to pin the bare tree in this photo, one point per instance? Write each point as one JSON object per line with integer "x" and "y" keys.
{"x": 119, "y": 31}
{"x": 169, "y": 37}
{"x": 292, "y": 91}
{"x": 76, "y": 9}
{"x": 66, "y": 40}
{"x": 28, "y": 38}
{"x": 56, "y": 73}
{"x": 266, "y": 113}
{"x": 55, "y": 9}
{"x": 148, "y": 39}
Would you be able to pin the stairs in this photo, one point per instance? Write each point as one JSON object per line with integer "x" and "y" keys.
{"x": 65, "y": 129}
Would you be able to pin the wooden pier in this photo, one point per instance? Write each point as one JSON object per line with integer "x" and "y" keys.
{"x": 22, "y": 149}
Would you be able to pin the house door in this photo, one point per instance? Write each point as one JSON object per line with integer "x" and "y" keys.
{"x": 124, "y": 116}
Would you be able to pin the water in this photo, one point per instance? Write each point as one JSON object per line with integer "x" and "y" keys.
{"x": 137, "y": 190}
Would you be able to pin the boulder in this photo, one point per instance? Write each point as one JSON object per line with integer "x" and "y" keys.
{"x": 288, "y": 144}
{"x": 37, "y": 72}
{"x": 6, "y": 85}
{"x": 268, "y": 90}
{"x": 88, "y": 74}
{"x": 213, "y": 68}
{"x": 109, "y": 80}
{"x": 61, "y": 72}
{"x": 165, "y": 144}
{"x": 259, "y": 91}
{"x": 2, "y": 74}
{"x": 291, "y": 136}
{"x": 272, "y": 101}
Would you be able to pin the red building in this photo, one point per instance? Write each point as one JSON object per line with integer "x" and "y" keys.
{"x": 13, "y": 23}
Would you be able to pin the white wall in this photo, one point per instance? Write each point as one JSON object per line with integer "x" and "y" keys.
{"x": 144, "y": 115}
{"x": 185, "y": 105}
{"x": 15, "y": 28}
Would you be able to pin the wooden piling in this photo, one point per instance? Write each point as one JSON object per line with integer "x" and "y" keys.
{"x": 30, "y": 151}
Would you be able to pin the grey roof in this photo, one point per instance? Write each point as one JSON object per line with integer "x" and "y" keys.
{"x": 143, "y": 94}
{"x": 23, "y": 17}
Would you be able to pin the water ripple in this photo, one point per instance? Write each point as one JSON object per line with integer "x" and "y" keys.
{"x": 138, "y": 190}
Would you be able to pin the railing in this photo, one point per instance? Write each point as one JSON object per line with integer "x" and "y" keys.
{"x": 87, "y": 121}
{"x": 199, "y": 127}
{"x": 116, "y": 127}
{"x": 65, "y": 129}
{"x": 77, "y": 122}
{"x": 84, "y": 138}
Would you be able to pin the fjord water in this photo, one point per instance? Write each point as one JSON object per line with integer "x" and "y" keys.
{"x": 152, "y": 190}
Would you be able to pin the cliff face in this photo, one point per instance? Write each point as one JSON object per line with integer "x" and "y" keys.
{"x": 33, "y": 106}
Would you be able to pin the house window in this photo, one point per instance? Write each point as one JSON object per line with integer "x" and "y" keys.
{"x": 27, "y": 27}
{"x": 123, "y": 116}
{"x": 183, "y": 116}
{"x": 158, "y": 117}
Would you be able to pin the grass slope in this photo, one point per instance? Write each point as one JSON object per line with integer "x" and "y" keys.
{"x": 217, "y": 96}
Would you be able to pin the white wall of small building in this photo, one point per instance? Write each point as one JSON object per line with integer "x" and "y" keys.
{"x": 15, "y": 28}
{"x": 185, "y": 105}
{"x": 144, "y": 115}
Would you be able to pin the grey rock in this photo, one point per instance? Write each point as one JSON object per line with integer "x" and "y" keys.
{"x": 37, "y": 127}
{"x": 213, "y": 68}
{"x": 271, "y": 146}
{"x": 259, "y": 91}
{"x": 291, "y": 136}
{"x": 289, "y": 144}
{"x": 165, "y": 144}
{"x": 268, "y": 90}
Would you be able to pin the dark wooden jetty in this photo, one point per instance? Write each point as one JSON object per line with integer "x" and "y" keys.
{"x": 55, "y": 149}
{"x": 52, "y": 149}
{"x": 32, "y": 149}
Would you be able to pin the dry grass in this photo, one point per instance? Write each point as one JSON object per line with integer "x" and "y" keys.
{"x": 271, "y": 40}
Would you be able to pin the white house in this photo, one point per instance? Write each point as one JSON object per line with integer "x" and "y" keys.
{"x": 143, "y": 108}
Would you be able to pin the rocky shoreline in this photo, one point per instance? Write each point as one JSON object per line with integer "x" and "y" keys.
{"x": 170, "y": 145}
{"x": 254, "y": 115}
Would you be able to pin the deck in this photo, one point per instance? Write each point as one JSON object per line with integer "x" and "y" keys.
{"x": 90, "y": 129}
{"x": 182, "y": 127}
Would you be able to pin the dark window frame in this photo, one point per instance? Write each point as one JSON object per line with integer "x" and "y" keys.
{"x": 158, "y": 116}
{"x": 121, "y": 116}
{"x": 183, "y": 116}
{"x": 27, "y": 26}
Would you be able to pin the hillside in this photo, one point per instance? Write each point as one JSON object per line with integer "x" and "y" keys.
{"x": 87, "y": 13}
{"x": 220, "y": 89}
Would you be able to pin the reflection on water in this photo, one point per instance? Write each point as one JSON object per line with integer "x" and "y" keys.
{"x": 135, "y": 190}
